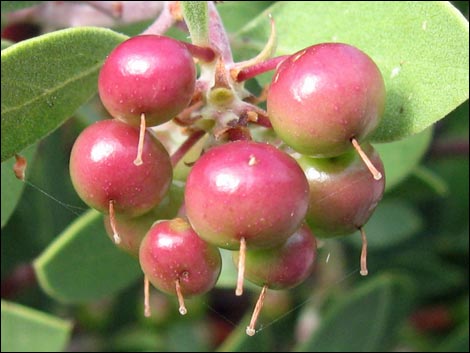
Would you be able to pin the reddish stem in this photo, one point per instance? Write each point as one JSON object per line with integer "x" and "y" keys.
{"x": 163, "y": 22}
{"x": 205, "y": 54}
{"x": 260, "y": 68}
{"x": 186, "y": 146}
{"x": 218, "y": 35}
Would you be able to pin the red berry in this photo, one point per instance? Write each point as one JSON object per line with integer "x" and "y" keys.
{"x": 324, "y": 96}
{"x": 171, "y": 251}
{"x": 246, "y": 190}
{"x": 149, "y": 74}
{"x": 285, "y": 266}
{"x": 102, "y": 169}
{"x": 343, "y": 192}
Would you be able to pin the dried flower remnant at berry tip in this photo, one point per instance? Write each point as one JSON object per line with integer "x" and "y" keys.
{"x": 19, "y": 168}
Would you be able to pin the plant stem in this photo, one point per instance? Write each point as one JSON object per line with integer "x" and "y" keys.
{"x": 218, "y": 35}
{"x": 163, "y": 22}
{"x": 260, "y": 68}
{"x": 202, "y": 53}
{"x": 186, "y": 146}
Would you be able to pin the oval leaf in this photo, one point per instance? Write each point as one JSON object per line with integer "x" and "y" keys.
{"x": 26, "y": 330}
{"x": 401, "y": 157}
{"x": 45, "y": 79}
{"x": 82, "y": 263}
{"x": 420, "y": 47}
{"x": 12, "y": 188}
{"x": 365, "y": 320}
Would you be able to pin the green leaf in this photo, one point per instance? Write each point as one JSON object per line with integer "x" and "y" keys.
{"x": 6, "y": 43}
{"x": 8, "y": 6}
{"x": 401, "y": 157}
{"x": 196, "y": 16}
{"x": 364, "y": 320}
{"x": 27, "y": 330}
{"x": 83, "y": 264}
{"x": 45, "y": 79}
{"x": 431, "y": 274}
{"x": 393, "y": 222}
{"x": 233, "y": 13}
{"x": 421, "y": 49}
{"x": 12, "y": 188}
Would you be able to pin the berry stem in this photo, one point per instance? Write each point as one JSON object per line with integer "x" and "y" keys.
{"x": 250, "y": 330}
{"x": 140, "y": 146}
{"x": 205, "y": 54}
{"x": 19, "y": 168}
{"x": 182, "y": 308}
{"x": 259, "y": 68}
{"x": 375, "y": 173}
{"x": 186, "y": 146}
{"x": 364, "y": 270}
{"x": 147, "y": 312}
{"x": 112, "y": 222}
{"x": 241, "y": 267}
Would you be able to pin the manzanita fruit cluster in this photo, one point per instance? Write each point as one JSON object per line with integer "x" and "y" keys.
{"x": 263, "y": 196}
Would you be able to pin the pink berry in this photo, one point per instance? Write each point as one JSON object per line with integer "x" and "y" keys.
{"x": 246, "y": 190}
{"x": 102, "y": 169}
{"x": 285, "y": 266}
{"x": 343, "y": 192}
{"x": 148, "y": 74}
{"x": 324, "y": 96}
{"x": 171, "y": 251}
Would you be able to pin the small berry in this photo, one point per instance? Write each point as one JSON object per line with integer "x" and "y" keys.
{"x": 103, "y": 173}
{"x": 323, "y": 97}
{"x": 343, "y": 193}
{"x": 148, "y": 74}
{"x": 247, "y": 190}
{"x": 176, "y": 261}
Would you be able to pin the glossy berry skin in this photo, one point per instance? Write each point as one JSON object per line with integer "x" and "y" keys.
{"x": 246, "y": 189}
{"x": 149, "y": 74}
{"x": 343, "y": 192}
{"x": 285, "y": 266}
{"x": 102, "y": 169}
{"x": 172, "y": 251}
{"x": 325, "y": 95}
